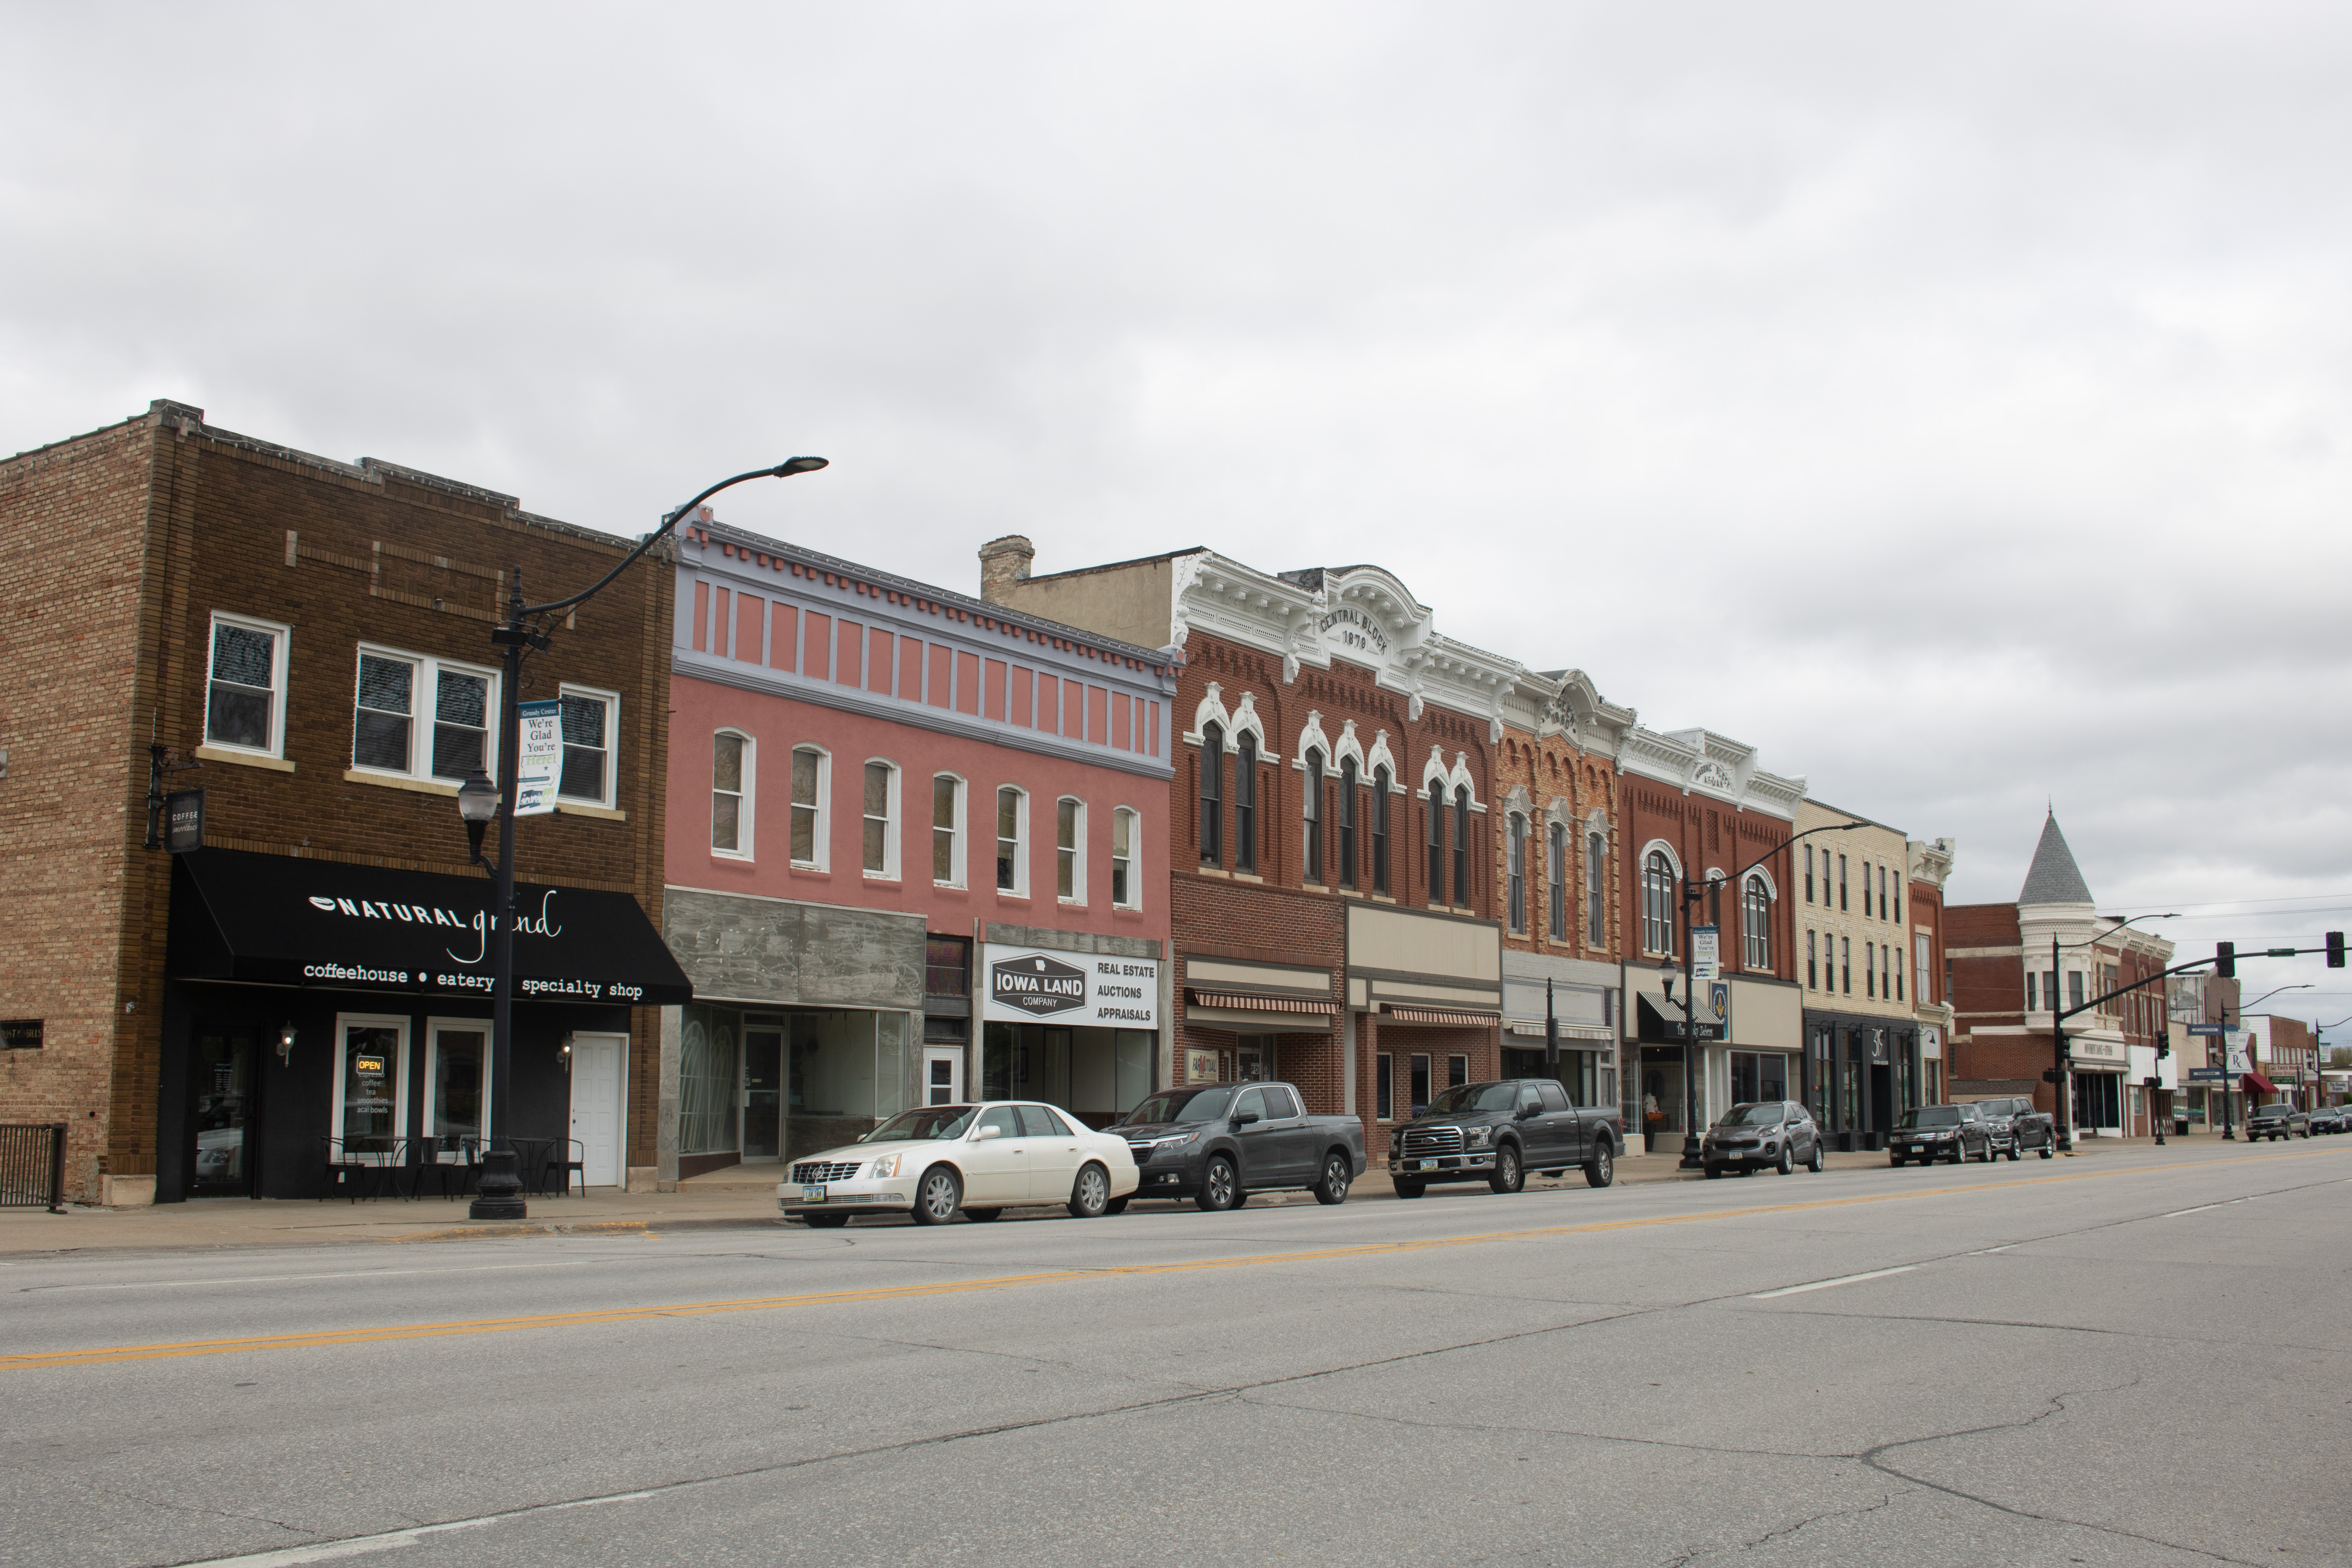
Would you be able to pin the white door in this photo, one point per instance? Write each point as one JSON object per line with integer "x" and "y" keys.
{"x": 596, "y": 1107}
{"x": 942, "y": 1076}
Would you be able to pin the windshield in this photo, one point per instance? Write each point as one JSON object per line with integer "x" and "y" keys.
{"x": 1932, "y": 1116}
{"x": 1464, "y": 1099}
{"x": 925, "y": 1122}
{"x": 1180, "y": 1105}
{"x": 1765, "y": 1115}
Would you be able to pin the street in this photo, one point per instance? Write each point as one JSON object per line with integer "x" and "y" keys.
{"x": 2125, "y": 1358}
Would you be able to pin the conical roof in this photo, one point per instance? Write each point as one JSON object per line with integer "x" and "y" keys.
{"x": 2053, "y": 878}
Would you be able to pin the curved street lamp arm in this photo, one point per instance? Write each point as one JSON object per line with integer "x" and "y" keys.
{"x": 1779, "y": 848}
{"x": 781, "y": 470}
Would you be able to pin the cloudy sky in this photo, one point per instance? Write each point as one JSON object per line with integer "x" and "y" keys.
{"x": 1951, "y": 402}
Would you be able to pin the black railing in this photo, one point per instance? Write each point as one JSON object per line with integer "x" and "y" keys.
{"x": 33, "y": 1166}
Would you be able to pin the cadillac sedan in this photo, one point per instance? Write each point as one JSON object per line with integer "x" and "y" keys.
{"x": 982, "y": 1159}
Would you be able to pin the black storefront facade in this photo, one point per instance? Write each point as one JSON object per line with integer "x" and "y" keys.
{"x": 314, "y": 1008}
{"x": 1862, "y": 1072}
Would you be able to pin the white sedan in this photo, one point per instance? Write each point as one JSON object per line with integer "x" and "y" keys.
{"x": 982, "y": 1159}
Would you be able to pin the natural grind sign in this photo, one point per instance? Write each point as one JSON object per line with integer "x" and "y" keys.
{"x": 1052, "y": 985}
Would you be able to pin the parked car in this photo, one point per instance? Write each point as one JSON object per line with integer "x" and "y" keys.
{"x": 1216, "y": 1144}
{"x": 2276, "y": 1122}
{"x": 1934, "y": 1132}
{"x": 2014, "y": 1126}
{"x": 982, "y": 1159}
{"x": 1762, "y": 1135}
{"x": 2328, "y": 1119}
{"x": 1498, "y": 1133}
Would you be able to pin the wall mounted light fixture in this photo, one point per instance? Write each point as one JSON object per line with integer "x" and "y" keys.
{"x": 286, "y": 1044}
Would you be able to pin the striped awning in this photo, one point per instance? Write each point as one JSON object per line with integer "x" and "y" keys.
{"x": 1438, "y": 1016}
{"x": 1244, "y": 1001}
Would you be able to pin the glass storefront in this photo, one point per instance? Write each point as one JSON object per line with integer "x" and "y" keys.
{"x": 1095, "y": 1075}
{"x": 221, "y": 1091}
{"x": 783, "y": 1083}
{"x": 1758, "y": 1074}
{"x": 1579, "y": 1072}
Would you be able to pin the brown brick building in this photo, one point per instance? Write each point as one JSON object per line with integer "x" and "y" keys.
{"x": 306, "y": 641}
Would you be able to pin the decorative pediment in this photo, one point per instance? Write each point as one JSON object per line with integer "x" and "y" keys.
{"x": 1350, "y": 747}
{"x": 1312, "y": 739}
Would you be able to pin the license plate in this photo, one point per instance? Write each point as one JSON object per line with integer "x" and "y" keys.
{"x": 812, "y": 1195}
{"x": 1426, "y": 1165}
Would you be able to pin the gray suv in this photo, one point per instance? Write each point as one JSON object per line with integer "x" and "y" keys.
{"x": 1762, "y": 1135}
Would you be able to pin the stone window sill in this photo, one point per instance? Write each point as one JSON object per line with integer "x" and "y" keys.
{"x": 397, "y": 781}
{"x": 244, "y": 759}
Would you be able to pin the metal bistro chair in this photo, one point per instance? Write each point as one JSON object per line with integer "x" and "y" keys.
{"x": 372, "y": 1160}
{"x": 570, "y": 1156}
{"x": 446, "y": 1158}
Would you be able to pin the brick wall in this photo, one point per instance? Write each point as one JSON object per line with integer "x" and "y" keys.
{"x": 1548, "y": 770}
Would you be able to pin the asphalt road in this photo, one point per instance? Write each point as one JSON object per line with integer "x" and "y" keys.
{"x": 2129, "y": 1358}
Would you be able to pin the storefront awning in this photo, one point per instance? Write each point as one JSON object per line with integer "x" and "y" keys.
{"x": 2257, "y": 1084}
{"x": 1438, "y": 1016}
{"x": 273, "y": 919}
{"x": 1253, "y": 1002}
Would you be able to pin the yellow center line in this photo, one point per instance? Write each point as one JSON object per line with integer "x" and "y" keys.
{"x": 329, "y": 1337}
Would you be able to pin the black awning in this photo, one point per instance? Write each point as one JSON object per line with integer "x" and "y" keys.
{"x": 277, "y": 921}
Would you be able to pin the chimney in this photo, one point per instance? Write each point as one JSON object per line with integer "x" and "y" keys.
{"x": 1003, "y": 563}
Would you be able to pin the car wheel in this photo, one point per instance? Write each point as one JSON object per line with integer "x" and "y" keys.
{"x": 1813, "y": 1161}
{"x": 1960, "y": 1154}
{"x": 1714, "y": 1172}
{"x": 2013, "y": 1154}
{"x": 981, "y": 1217}
{"x": 1337, "y": 1172}
{"x": 824, "y": 1221}
{"x": 1090, "y": 1193}
{"x": 1787, "y": 1165}
{"x": 1218, "y": 1190}
{"x": 1896, "y": 1160}
{"x": 1117, "y": 1205}
{"x": 1508, "y": 1177}
{"x": 1411, "y": 1189}
{"x": 1601, "y": 1168}
{"x": 2046, "y": 1151}
{"x": 938, "y": 1196}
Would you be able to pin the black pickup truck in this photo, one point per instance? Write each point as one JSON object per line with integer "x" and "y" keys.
{"x": 1498, "y": 1133}
{"x": 2015, "y": 1126}
{"x": 1218, "y": 1142}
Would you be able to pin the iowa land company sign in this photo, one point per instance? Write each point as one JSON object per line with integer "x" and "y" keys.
{"x": 1027, "y": 984}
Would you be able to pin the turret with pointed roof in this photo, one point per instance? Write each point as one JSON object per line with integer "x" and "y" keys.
{"x": 2053, "y": 878}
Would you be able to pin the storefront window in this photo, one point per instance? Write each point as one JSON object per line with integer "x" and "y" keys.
{"x": 372, "y": 1073}
{"x": 1758, "y": 1074}
{"x": 457, "y": 1083}
{"x": 708, "y": 1075}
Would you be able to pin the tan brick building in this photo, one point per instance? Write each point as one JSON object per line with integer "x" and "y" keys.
{"x": 307, "y": 642}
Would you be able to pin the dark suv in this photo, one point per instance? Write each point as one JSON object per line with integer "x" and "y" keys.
{"x": 2276, "y": 1122}
{"x": 2014, "y": 1126}
{"x": 1762, "y": 1135}
{"x": 1936, "y": 1133}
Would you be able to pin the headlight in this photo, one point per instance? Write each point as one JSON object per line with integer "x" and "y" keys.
{"x": 887, "y": 1166}
{"x": 1480, "y": 1136}
{"x": 1178, "y": 1141}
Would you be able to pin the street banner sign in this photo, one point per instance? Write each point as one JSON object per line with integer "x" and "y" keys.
{"x": 1707, "y": 955}
{"x": 2207, "y": 1029}
{"x": 183, "y": 820}
{"x": 540, "y": 758}
{"x": 2209, "y": 1075}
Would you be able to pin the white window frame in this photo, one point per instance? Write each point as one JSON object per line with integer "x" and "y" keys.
{"x": 1134, "y": 820}
{"x": 957, "y": 857}
{"x": 821, "y": 823}
{"x": 890, "y": 820}
{"x": 425, "y": 693}
{"x": 430, "y": 1120}
{"x": 278, "y": 664}
{"x": 1077, "y": 897}
{"x": 344, "y": 1024}
{"x": 1020, "y": 889}
{"x": 745, "y": 815}
{"x": 612, "y": 701}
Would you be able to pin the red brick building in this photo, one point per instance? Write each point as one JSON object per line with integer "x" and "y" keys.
{"x": 307, "y": 642}
{"x": 1930, "y": 866}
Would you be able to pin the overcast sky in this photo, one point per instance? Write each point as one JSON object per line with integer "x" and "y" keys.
{"x": 1951, "y": 402}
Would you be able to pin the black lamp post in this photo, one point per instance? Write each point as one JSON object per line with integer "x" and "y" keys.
{"x": 481, "y": 802}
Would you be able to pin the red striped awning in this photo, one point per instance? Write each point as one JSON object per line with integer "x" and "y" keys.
{"x": 1438, "y": 1016}
{"x": 1242, "y": 1002}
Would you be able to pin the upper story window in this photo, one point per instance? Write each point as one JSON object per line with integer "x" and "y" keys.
{"x": 245, "y": 692}
{"x": 1657, "y": 904}
{"x": 1919, "y": 988}
{"x": 1245, "y": 803}
{"x": 590, "y": 721}
{"x": 1869, "y": 963}
{"x": 1380, "y": 830}
{"x": 1436, "y": 814}
{"x": 1212, "y": 792}
{"x": 1842, "y": 903}
{"x": 812, "y": 786}
{"x": 1125, "y": 889}
{"x": 1515, "y": 850}
{"x": 1845, "y": 965}
{"x": 422, "y": 718}
{"x": 1012, "y": 834}
{"x": 1070, "y": 850}
{"x": 1808, "y": 873}
{"x": 1348, "y": 807}
{"x": 880, "y": 846}
{"x": 1312, "y": 811}
{"x": 1756, "y": 924}
{"x": 730, "y": 794}
{"x": 1462, "y": 845}
{"x": 1813, "y": 981}
{"x": 1899, "y": 899}
{"x": 1556, "y": 879}
{"x": 1596, "y": 890}
{"x": 947, "y": 831}
{"x": 1882, "y": 894}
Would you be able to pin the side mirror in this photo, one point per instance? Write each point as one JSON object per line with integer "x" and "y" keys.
{"x": 987, "y": 1133}
{"x": 1243, "y": 1119}
{"x": 1527, "y": 1110}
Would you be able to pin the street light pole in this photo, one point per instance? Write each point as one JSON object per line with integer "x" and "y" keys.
{"x": 2059, "y": 1055}
{"x": 498, "y": 1196}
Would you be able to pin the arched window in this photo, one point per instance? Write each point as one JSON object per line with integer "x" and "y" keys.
{"x": 1011, "y": 841}
{"x": 1125, "y": 889}
{"x": 1070, "y": 850}
{"x": 730, "y": 794}
{"x": 1312, "y": 811}
{"x": 1657, "y": 904}
{"x": 1245, "y": 803}
{"x": 880, "y": 839}
{"x": 1213, "y": 796}
{"x": 811, "y": 808}
{"x": 1462, "y": 845}
{"x": 1436, "y": 841}
{"x": 1556, "y": 879}
{"x": 1596, "y": 890}
{"x": 947, "y": 827}
{"x": 1516, "y": 849}
{"x": 1380, "y": 830}
{"x": 1755, "y": 923}
{"x": 1348, "y": 822}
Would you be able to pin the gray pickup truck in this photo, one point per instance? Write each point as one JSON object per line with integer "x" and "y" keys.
{"x": 1218, "y": 1142}
{"x": 1498, "y": 1133}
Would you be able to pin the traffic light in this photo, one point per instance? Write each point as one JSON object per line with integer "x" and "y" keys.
{"x": 2052, "y": 1075}
{"x": 2163, "y": 1047}
{"x": 2225, "y": 960}
{"x": 2335, "y": 950}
